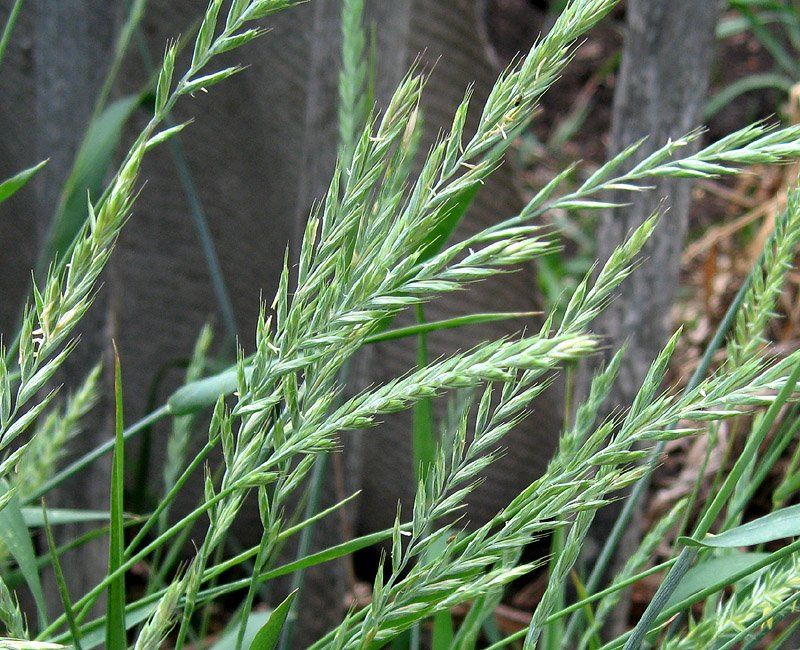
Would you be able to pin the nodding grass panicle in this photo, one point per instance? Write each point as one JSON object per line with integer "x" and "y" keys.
{"x": 381, "y": 241}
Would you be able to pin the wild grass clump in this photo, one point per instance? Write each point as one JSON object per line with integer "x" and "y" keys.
{"x": 379, "y": 243}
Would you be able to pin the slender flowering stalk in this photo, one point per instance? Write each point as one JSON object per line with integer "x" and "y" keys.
{"x": 774, "y": 587}
{"x": 379, "y": 243}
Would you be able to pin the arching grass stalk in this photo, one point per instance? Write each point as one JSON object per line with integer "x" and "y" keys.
{"x": 610, "y": 546}
{"x": 8, "y": 28}
{"x": 719, "y": 501}
{"x": 667, "y": 613}
{"x": 381, "y": 242}
{"x": 98, "y": 452}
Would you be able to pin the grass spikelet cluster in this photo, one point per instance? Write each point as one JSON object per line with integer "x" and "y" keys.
{"x": 754, "y": 608}
{"x": 380, "y": 242}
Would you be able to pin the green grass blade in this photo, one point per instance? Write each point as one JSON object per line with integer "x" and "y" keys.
{"x": 200, "y": 394}
{"x": 115, "y": 617}
{"x": 21, "y": 644}
{"x": 16, "y": 538}
{"x": 789, "y": 485}
{"x": 11, "y": 21}
{"x": 12, "y": 185}
{"x": 422, "y": 436}
{"x": 782, "y": 438}
{"x": 403, "y": 641}
{"x": 553, "y": 633}
{"x": 751, "y": 83}
{"x": 446, "y": 324}
{"x": 713, "y": 570}
{"x": 61, "y": 582}
{"x": 227, "y": 640}
{"x": 423, "y": 451}
{"x": 267, "y": 637}
{"x": 314, "y": 559}
{"x": 588, "y": 611}
{"x": 58, "y": 516}
{"x": 443, "y": 633}
{"x": 776, "y": 525}
{"x": 91, "y": 165}
{"x": 731, "y": 26}
{"x": 478, "y": 619}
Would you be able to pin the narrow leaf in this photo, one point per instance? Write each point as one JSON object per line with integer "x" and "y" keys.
{"x": 780, "y": 524}
{"x": 12, "y": 185}
{"x": 63, "y": 591}
{"x": 442, "y": 631}
{"x": 205, "y": 392}
{"x": 787, "y": 488}
{"x": 115, "y": 618}
{"x": 712, "y": 571}
{"x": 446, "y": 324}
{"x": 254, "y": 622}
{"x": 58, "y": 516}
{"x": 21, "y": 644}
{"x": 423, "y": 439}
{"x": 267, "y": 637}
{"x": 92, "y": 162}
{"x": 16, "y": 538}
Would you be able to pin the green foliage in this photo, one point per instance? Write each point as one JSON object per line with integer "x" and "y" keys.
{"x": 267, "y": 636}
{"x": 115, "y": 616}
{"x": 91, "y": 165}
{"x": 775, "y": 26}
{"x": 12, "y": 185}
{"x": 17, "y": 543}
{"x": 380, "y": 243}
